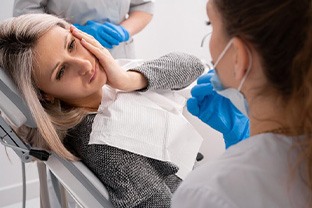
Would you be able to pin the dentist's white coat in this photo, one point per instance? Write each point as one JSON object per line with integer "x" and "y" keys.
{"x": 254, "y": 173}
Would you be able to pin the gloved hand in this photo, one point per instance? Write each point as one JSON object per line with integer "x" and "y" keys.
{"x": 217, "y": 111}
{"x": 108, "y": 34}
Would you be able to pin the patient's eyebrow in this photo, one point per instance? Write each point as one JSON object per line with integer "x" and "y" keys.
{"x": 58, "y": 63}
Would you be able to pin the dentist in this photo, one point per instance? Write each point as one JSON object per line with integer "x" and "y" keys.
{"x": 262, "y": 61}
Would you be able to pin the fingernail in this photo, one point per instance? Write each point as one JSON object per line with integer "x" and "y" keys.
{"x": 83, "y": 40}
{"x": 72, "y": 27}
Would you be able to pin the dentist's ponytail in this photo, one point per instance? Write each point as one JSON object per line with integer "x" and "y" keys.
{"x": 300, "y": 102}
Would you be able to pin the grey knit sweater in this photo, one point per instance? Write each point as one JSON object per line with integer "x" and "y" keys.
{"x": 133, "y": 180}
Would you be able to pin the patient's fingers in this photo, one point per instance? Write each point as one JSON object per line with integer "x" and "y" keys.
{"x": 116, "y": 76}
{"x": 78, "y": 33}
{"x": 82, "y": 35}
{"x": 99, "y": 51}
{"x": 91, "y": 44}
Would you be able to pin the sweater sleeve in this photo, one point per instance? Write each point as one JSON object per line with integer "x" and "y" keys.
{"x": 172, "y": 71}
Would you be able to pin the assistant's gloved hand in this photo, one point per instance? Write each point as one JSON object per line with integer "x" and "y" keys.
{"x": 108, "y": 34}
{"x": 217, "y": 111}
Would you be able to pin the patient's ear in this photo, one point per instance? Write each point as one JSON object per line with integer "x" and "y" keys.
{"x": 47, "y": 97}
{"x": 241, "y": 59}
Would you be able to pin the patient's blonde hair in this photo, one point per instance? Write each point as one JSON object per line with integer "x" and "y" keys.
{"x": 18, "y": 37}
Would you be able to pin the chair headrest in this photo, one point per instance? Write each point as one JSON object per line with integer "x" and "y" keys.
{"x": 12, "y": 106}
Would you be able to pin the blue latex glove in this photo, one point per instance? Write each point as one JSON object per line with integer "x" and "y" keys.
{"x": 108, "y": 34}
{"x": 217, "y": 111}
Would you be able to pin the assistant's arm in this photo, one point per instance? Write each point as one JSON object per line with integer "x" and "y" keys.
{"x": 136, "y": 22}
{"x": 29, "y": 6}
{"x": 140, "y": 15}
{"x": 111, "y": 34}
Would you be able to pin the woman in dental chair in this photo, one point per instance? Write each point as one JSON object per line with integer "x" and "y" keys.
{"x": 76, "y": 91}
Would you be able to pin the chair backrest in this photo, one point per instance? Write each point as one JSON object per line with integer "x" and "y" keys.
{"x": 13, "y": 112}
{"x": 12, "y": 104}
{"x": 78, "y": 180}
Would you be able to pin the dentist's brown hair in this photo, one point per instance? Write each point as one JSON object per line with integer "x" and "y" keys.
{"x": 281, "y": 32}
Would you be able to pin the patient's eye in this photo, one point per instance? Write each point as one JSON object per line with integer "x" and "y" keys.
{"x": 60, "y": 73}
{"x": 71, "y": 45}
{"x": 208, "y": 22}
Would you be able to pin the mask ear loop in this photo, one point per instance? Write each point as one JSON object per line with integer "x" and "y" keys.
{"x": 222, "y": 53}
{"x": 248, "y": 70}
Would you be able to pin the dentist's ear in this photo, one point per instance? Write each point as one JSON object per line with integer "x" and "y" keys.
{"x": 241, "y": 61}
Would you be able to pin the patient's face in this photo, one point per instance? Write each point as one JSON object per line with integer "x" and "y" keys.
{"x": 68, "y": 71}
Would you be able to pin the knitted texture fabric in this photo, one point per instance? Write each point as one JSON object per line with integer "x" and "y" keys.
{"x": 133, "y": 180}
{"x": 172, "y": 71}
{"x": 130, "y": 179}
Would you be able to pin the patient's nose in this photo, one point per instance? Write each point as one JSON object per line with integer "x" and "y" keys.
{"x": 83, "y": 66}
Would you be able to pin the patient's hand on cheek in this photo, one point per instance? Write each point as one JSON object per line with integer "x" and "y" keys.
{"x": 116, "y": 76}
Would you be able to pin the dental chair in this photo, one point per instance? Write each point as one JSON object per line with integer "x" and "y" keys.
{"x": 74, "y": 177}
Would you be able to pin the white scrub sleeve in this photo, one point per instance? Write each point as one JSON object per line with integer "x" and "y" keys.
{"x": 29, "y": 6}
{"x": 142, "y": 5}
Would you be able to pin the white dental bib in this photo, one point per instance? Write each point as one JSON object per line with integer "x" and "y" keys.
{"x": 147, "y": 123}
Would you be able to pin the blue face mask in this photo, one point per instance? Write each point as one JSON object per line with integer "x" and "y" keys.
{"x": 236, "y": 97}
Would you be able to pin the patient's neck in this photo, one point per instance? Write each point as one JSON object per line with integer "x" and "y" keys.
{"x": 90, "y": 103}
